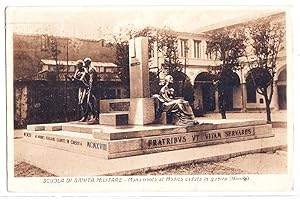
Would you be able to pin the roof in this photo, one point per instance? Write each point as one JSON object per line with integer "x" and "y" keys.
{"x": 56, "y": 36}
{"x": 72, "y": 62}
{"x": 236, "y": 21}
{"x": 189, "y": 34}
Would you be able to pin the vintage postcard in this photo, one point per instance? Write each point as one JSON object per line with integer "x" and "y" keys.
{"x": 149, "y": 99}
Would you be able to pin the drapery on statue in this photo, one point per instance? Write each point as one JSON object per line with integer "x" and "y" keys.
{"x": 181, "y": 109}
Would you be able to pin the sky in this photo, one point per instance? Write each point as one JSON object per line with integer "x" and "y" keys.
{"x": 104, "y": 22}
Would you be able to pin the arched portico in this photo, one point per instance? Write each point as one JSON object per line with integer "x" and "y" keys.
{"x": 256, "y": 101}
{"x": 204, "y": 92}
{"x": 233, "y": 93}
{"x": 207, "y": 97}
{"x": 281, "y": 89}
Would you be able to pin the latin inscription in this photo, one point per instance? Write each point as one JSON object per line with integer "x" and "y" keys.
{"x": 157, "y": 142}
{"x": 206, "y": 136}
{"x": 27, "y": 134}
{"x": 76, "y": 142}
{"x": 61, "y": 140}
{"x": 40, "y": 137}
{"x": 54, "y": 139}
{"x": 166, "y": 141}
{"x": 96, "y": 145}
{"x": 239, "y": 133}
{"x": 50, "y": 138}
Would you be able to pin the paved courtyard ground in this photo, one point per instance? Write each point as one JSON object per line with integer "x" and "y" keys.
{"x": 259, "y": 163}
{"x": 276, "y": 116}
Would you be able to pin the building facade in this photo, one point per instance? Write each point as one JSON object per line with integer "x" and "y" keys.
{"x": 106, "y": 71}
{"x": 197, "y": 64}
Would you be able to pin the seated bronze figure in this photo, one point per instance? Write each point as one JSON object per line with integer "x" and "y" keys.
{"x": 179, "y": 109}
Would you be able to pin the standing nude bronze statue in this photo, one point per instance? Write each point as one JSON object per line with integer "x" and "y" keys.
{"x": 87, "y": 101}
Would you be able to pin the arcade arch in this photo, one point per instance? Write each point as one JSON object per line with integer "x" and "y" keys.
{"x": 204, "y": 92}
{"x": 281, "y": 89}
{"x": 206, "y": 96}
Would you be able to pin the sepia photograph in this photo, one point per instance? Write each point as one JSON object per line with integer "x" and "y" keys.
{"x": 149, "y": 98}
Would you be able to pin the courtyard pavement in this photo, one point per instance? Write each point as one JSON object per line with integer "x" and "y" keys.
{"x": 276, "y": 116}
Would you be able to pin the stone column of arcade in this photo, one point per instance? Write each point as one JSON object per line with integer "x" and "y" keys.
{"x": 141, "y": 104}
{"x": 217, "y": 101}
{"x": 275, "y": 97}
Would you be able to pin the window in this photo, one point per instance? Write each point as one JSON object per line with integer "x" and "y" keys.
{"x": 209, "y": 55}
{"x": 108, "y": 69}
{"x": 213, "y": 55}
{"x": 183, "y": 48}
{"x": 98, "y": 69}
{"x": 197, "y": 49}
{"x": 101, "y": 69}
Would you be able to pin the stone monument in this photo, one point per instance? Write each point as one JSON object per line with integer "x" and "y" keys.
{"x": 141, "y": 110}
{"x": 113, "y": 138}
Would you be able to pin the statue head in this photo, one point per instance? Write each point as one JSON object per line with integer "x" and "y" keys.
{"x": 87, "y": 61}
{"x": 169, "y": 79}
{"x": 79, "y": 64}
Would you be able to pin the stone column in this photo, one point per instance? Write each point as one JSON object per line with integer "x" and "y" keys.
{"x": 141, "y": 104}
{"x": 217, "y": 101}
{"x": 204, "y": 49}
{"x": 275, "y": 97}
{"x": 244, "y": 97}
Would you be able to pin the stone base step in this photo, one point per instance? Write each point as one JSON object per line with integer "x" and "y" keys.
{"x": 69, "y": 141}
{"x": 113, "y": 119}
{"x": 65, "y": 163}
{"x": 108, "y": 132}
{"x": 110, "y": 142}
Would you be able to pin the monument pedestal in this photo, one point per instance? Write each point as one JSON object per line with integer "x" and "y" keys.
{"x": 141, "y": 111}
{"x": 122, "y": 141}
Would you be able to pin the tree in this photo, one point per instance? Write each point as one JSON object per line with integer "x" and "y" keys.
{"x": 167, "y": 44}
{"x": 184, "y": 87}
{"x": 165, "y": 39}
{"x": 54, "y": 52}
{"x": 121, "y": 43}
{"x": 228, "y": 46}
{"x": 122, "y": 60}
{"x": 266, "y": 41}
{"x": 25, "y": 65}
